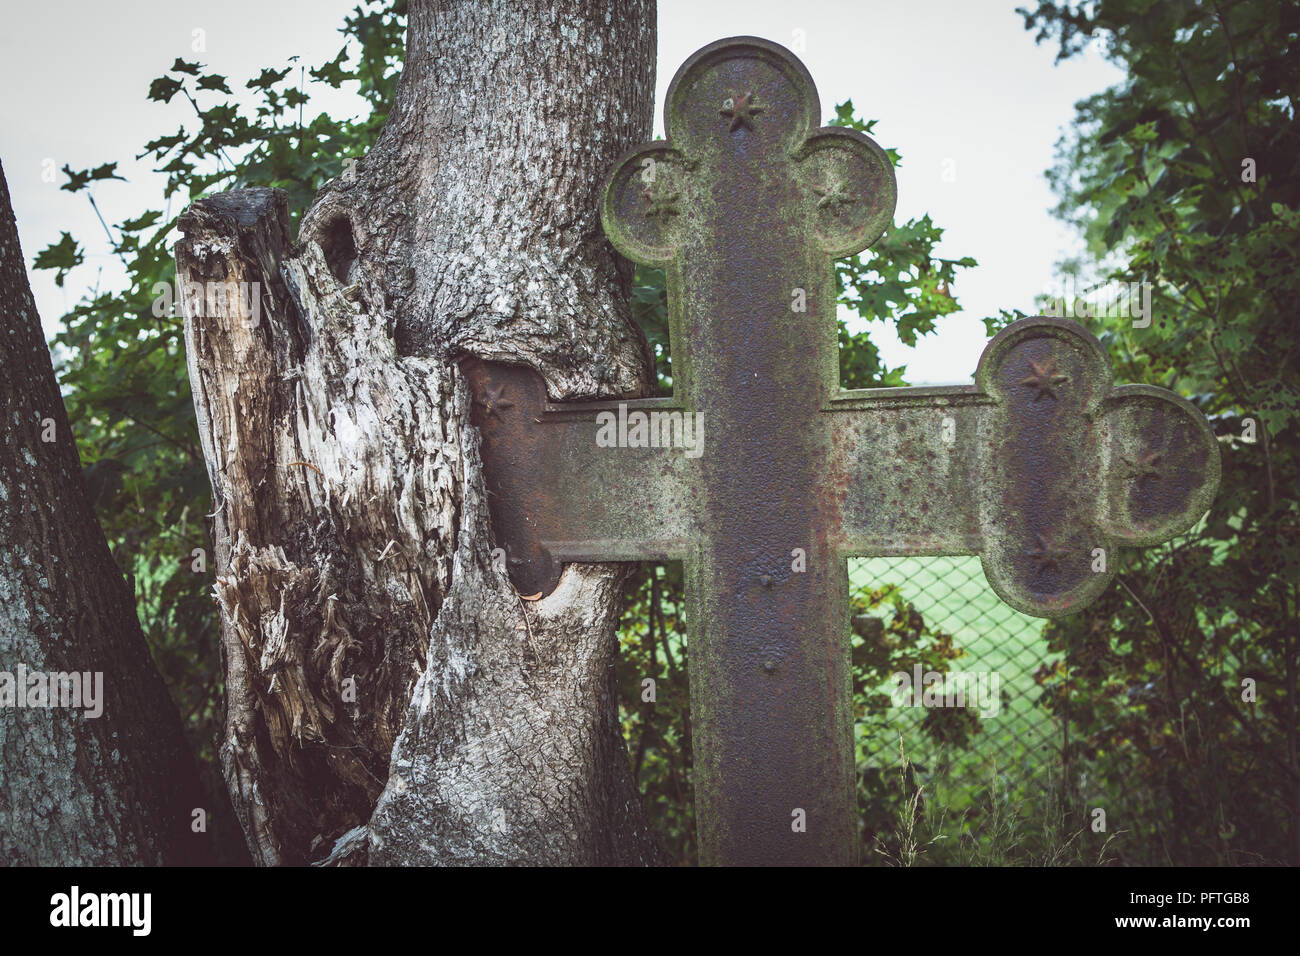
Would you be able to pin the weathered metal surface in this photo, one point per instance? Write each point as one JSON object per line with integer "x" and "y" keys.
{"x": 556, "y": 497}
{"x": 1034, "y": 467}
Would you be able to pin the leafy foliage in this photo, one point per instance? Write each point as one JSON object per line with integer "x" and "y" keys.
{"x": 901, "y": 281}
{"x": 1185, "y": 177}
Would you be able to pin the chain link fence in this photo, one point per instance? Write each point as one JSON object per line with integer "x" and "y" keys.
{"x": 1019, "y": 738}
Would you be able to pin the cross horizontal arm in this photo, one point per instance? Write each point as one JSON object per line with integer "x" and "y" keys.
{"x": 1042, "y": 467}
{"x": 596, "y": 481}
{"x": 906, "y": 469}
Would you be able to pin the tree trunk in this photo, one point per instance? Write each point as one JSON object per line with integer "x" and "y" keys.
{"x": 353, "y": 541}
{"x": 75, "y": 789}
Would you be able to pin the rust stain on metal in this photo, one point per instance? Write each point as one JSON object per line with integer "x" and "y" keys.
{"x": 1032, "y": 467}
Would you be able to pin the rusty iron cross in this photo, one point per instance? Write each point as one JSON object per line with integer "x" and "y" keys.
{"x": 1039, "y": 467}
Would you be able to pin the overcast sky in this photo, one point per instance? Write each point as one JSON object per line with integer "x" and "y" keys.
{"x": 957, "y": 85}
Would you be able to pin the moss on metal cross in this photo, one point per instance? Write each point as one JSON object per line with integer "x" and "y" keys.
{"x": 1042, "y": 467}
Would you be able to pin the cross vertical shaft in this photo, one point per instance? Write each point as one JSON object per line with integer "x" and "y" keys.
{"x": 770, "y": 692}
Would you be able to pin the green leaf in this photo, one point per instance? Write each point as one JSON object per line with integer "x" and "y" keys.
{"x": 62, "y": 256}
{"x": 164, "y": 88}
{"x": 143, "y": 221}
{"x": 214, "y": 82}
{"x": 267, "y": 78}
{"x": 333, "y": 72}
{"x": 162, "y": 144}
{"x": 79, "y": 179}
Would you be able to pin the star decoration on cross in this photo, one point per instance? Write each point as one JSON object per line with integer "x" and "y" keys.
{"x": 1045, "y": 554}
{"x": 660, "y": 202}
{"x": 1142, "y": 466}
{"x": 1044, "y": 379}
{"x": 492, "y": 401}
{"x": 741, "y": 108}
{"x": 832, "y": 196}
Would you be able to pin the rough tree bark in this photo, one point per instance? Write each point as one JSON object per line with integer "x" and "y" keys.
{"x": 116, "y": 789}
{"x": 352, "y": 534}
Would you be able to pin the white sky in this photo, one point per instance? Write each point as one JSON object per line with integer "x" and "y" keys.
{"x": 956, "y": 84}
